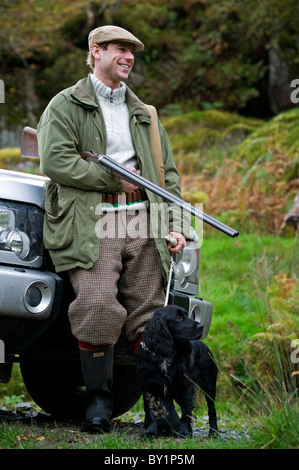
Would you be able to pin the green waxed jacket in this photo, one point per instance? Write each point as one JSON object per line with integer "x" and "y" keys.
{"x": 72, "y": 123}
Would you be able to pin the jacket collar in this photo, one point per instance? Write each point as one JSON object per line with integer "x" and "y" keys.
{"x": 136, "y": 104}
{"x": 83, "y": 93}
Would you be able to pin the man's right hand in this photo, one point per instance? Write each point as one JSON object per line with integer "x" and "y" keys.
{"x": 130, "y": 187}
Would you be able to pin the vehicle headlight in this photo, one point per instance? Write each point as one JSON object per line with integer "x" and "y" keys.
{"x": 17, "y": 241}
{"x": 21, "y": 229}
{"x": 188, "y": 267}
{"x": 7, "y": 219}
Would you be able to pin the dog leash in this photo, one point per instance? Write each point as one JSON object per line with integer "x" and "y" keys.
{"x": 172, "y": 267}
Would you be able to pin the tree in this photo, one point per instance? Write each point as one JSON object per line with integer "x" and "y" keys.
{"x": 199, "y": 54}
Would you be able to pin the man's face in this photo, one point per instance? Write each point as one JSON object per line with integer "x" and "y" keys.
{"x": 114, "y": 64}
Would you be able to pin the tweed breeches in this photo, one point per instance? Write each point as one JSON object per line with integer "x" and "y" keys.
{"x": 122, "y": 290}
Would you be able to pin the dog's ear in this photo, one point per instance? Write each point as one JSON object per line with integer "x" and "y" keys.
{"x": 157, "y": 336}
{"x": 171, "y": 309}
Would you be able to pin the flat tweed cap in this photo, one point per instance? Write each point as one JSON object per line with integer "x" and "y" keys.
{"x": 113, "y": 33}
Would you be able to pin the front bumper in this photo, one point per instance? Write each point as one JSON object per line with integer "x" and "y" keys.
{"x": 26, "y": 293}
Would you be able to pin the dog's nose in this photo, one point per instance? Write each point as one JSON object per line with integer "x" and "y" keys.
{"x": 199, "y": 327}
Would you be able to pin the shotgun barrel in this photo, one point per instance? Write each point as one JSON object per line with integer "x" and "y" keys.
{"x": 29, "y": 148}
{"x": 129, "y": 175}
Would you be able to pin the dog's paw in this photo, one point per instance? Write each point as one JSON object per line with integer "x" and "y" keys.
{"x": 149, "y": 435}
{"x": 185, "y": 430}
{"x": 150, "y": 432}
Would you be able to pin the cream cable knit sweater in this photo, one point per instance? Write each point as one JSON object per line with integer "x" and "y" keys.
{"x": 116, "y": 116}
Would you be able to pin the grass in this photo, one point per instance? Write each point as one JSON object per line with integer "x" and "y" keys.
{"x": 236, "y": 275}
{"x": 253, "y": 282}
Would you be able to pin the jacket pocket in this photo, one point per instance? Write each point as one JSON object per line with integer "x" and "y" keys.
{"x": 59, "y": 224}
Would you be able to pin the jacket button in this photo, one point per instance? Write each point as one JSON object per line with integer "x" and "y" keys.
{"x": 90, "y": 245}
{"x": 91, "y": 208}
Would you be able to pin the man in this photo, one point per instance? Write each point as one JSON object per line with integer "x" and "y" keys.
{"x": 119, "y": 279}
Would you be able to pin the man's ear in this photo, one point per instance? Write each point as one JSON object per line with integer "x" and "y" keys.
{"x": 96, "y": 51}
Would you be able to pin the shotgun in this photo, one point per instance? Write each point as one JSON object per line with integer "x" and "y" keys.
{"x": 29, "y": 148}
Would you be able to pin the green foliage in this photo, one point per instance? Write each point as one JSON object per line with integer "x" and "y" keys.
{"x": 15, "y": 391}
{"x": 244, "y": 170}
{"x": 66, "y": 70}
{"x": 198, "y": 55}
{"x": 280, "y": 135}
{"x": 13, "y": 400}
{"x": 253, "y": 284}
{"x": 197, "y": 130}
{"x": 10, "y": 159}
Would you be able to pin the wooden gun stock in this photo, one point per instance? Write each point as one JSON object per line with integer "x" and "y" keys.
{"x": 29, "y": 147}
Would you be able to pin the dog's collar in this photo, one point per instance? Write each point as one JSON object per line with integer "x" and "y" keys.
{"x": 146, "y": 349}
{"x": 142, "y": 344}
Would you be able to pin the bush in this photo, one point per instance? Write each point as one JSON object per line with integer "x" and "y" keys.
{"x": 244, "y": 170}
{"x": 10, "y": 159}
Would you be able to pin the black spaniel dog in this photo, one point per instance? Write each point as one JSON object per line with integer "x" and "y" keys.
{"x": 171, "y": 363}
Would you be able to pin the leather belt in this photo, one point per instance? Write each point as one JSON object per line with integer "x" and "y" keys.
{"x": 124, "y": 198}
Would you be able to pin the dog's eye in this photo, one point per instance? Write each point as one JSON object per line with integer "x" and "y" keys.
{"x": 179, "y": 318}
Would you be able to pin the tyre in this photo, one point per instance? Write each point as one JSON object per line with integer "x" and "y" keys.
{"x": 56, "y": 386}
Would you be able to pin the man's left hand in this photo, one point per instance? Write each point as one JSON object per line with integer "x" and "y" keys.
{"x": 181, "y": 242}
